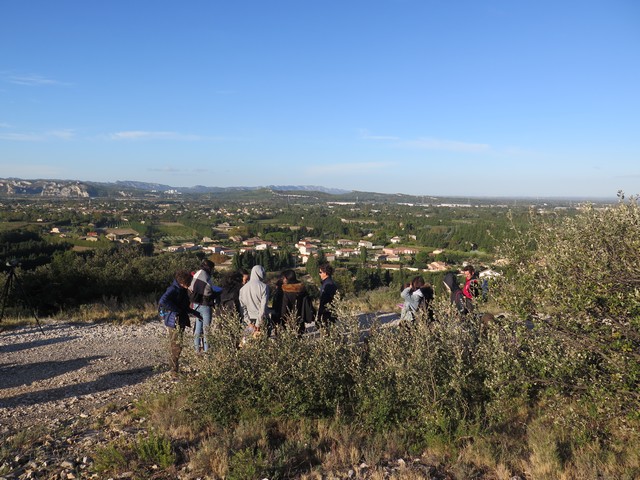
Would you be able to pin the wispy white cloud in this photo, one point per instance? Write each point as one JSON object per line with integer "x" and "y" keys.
{"x": 4, "y": 125}
{"x": 32, "y": 80}
{"x": 447, "y": 145}
{"x": 427, "y": 143}
{"x": 22, "y": 137}
{"x": 144, "y": 135}
{"x": 365, "y": 135}
{"x": 64, "y": 134}
{"x": 348, "y": 168}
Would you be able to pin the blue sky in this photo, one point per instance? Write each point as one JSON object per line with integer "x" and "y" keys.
{"x": 426, "y": 97}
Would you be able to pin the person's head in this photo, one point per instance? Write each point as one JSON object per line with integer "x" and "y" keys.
{"x": 326, "y": 270}
{"x": 417, "y": 282}
{"x": 231, "y": 279}
{"x": 468, "y": 271}
{"x": 258, "y": 273}
{"x": 183, "y": 278}
{"x": 245, "y": 275}
{"x": 207, "y": 265}
{"x": 289, "y": 276}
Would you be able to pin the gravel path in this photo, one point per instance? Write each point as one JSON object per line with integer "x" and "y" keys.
{"x": 71, "y": 370}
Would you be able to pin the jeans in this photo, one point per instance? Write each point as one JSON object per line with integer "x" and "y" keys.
{"x": 202, "y": 327}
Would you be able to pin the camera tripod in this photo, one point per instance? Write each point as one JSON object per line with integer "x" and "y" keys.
{"x": 11, "y": 281}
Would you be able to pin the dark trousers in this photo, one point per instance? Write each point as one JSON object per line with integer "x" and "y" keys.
{"x": 176, "y": 336}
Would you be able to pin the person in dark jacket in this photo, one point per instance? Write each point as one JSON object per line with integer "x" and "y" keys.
{"x": 175, "y": 309}
{"x": 275, "y": 319}
{"x": 328, "y": 290}
{"x": 231, "y": 284}
{"x": 202, "y": 293}
{"x": 428, "y": 295}
{"x": 292, "y": 301}
{"x": 462, "y": 303}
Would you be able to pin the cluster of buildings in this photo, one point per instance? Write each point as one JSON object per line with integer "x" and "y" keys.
{"x": 389, "y": 257}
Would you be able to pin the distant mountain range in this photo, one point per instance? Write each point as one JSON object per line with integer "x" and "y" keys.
{"x": 202, "y": 189}
{"x": 79, "y": 189}
{"x": 53, "y": 188}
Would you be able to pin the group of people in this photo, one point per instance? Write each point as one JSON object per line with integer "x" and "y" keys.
{"x": 246, "y": 294}
{"x": 417, "y": 294}
{"x": 462, "y": 297}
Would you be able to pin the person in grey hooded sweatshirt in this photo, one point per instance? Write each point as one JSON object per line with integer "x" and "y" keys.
{"x": 253, "y": 299}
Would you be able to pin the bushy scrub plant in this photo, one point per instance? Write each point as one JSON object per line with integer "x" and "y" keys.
{"x": 424, "y": 377}
{"x": 579, "y": 279}
{"x": 142, "y": 455}
{"x": 575, "y": 282}
{"x": 286, "y": 376}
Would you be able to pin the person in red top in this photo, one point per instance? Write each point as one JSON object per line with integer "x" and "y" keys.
{"x": 470, "y": 284}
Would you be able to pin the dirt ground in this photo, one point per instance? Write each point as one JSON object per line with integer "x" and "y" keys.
{"x": 67, "y": 370}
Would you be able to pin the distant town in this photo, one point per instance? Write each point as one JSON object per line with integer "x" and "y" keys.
{"x": 366, "y": 230}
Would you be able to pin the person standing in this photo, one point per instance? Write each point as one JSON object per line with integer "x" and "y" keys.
{"x": 175, "y": 310}
{"x": 328, "y": 289}
{"x": 294, "y": 302}
{"x": 413, "y": 297}
{"x": 253, "y": 300}
{"x": 202, "y": 294}
{"x": 231, "y": 284}
{"x": 470, "y": 289}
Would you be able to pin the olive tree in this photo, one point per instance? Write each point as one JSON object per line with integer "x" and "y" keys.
{"x": 576, "y": 279}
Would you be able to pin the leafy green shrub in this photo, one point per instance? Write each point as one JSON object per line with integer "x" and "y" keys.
{"x": 290, "y": 376}
{"x": 147, "y": 452}
{"x": 246, "y": 464}
{"x": 155, "y": 449}
{"x": 109, "y": 459}
{"x": 578, "y": 281}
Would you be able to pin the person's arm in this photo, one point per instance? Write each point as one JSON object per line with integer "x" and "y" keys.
{"x": 413, "y": 298}
{"x": 168, "y": 300}
{"x": 466, "y": 291}
{"x": 244, "y": 311}
{"x": 406, "y": 294}
{"x": 263, "y": 308}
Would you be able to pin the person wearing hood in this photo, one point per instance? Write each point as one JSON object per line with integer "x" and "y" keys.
{"x": 253, "y": 299}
